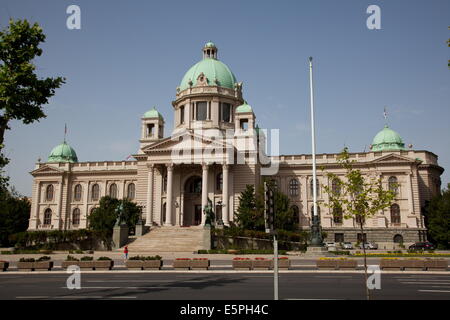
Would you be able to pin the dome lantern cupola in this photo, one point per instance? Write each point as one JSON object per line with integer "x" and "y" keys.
{"x": 210, "y": 51}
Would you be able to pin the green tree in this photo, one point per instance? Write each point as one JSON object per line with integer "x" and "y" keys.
{"x": 14, "y": 215}
{"x": 437, "y": 216}
{"x": 357, "y": 196}
{"x": 22, "y": 92}
{"x": 104, "y": 217}
{"x": 248, "y": 215}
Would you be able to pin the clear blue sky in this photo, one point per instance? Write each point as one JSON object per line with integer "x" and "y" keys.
{"x": 131, "y": 55}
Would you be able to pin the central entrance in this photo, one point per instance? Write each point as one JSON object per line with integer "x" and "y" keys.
{"x": 192, "y": 201}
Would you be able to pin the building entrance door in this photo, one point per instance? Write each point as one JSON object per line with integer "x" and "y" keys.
{"x": 197, "y": 214}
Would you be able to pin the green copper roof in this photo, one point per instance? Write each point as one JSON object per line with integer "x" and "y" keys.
{"x": 153, "y": 113}
{"x": 63, "y": 153}
{"x": 216, "y": 72}
{"x": 244, "y": 108}
{"x": 210, "y": 45}
{"x": 387, "y": 140}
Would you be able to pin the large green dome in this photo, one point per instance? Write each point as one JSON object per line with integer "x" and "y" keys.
{"x": 387, "y": 140}
{"x": 63, "y": 153}
{"x": 216, "y": 72}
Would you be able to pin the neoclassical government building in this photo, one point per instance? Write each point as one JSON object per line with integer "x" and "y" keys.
{"x": 213, "y": 152}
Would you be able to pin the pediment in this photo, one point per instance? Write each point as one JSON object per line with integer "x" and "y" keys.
{"x": 185, "y": 140}
{"x": 46, "y": 169}
{"x": 393, "y": 158}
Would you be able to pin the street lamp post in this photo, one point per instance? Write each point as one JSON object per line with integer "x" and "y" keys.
{"x": 316, "y": 236}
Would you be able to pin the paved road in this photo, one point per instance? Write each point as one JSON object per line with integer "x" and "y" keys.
{"x": 221, "y": 285}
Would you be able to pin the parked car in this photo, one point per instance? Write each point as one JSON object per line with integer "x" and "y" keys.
{"x": 331, "y": 244}
{"x": 422, "y": 246}
{"x": 347, "y": 245}
{"x": 369, "y": 245}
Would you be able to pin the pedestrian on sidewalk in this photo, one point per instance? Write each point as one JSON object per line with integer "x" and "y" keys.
{"x": 125, "y": 252}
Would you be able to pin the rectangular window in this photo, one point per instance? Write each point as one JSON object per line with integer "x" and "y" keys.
{"x": 181, "y": 114}
{"x": 201, "y": 111}
{"x": 244, "y": 124}
{"x": 361, "y": 237}
{"x": 338, "y": 237}
{"x": 225, "y": 112}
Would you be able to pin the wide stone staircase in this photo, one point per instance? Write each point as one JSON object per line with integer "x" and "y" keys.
{"x": 171, "y": 239}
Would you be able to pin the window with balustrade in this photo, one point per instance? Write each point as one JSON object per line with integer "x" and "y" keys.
{"x": 48, "y": 217}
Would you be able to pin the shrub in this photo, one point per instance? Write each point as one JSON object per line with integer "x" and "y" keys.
{"x": 142, "y": 258}
{"x": 44, "y": 258}
{"x": 71, "y": 258}
{"x": 86, "y": 258}
{"x": 103, "y": 259}
{"x": 27, "y": 260}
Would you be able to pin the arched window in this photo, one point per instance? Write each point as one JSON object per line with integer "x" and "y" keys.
{"x": 395, "y": 213}
{"x": 193, "y": 185}
{"x": 219, "y": 181}
{"x": 95, "y": 193}
{"x": 76, "y": 217}
{"x": 131, "y": 191}
{"x": 312, "y": 211}
{"x": 311, "y": 187}
{"x": 398, "y": 238}
{"x": 293, "y": 187}
{"x": 393, "y": 184}
{"x": 47, "y": 217}
{"x": 337, "y": 215}
{"x": 77, "y": 192}
{"x": 113, "y": 191}
{"x": 336, "y": 187}
{"x": 295, "y": 214}
{"x": 49, "y": 193}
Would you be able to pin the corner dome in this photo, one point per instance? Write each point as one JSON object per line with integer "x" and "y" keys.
{"x": 244, "y": 108}
{"x": 63, "y": 153}
{"x": 387, "y": 140}
{"x": 153, "y": 113}
{"x": 216, "y": 72}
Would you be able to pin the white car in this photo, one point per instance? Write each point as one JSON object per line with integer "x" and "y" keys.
{"x": 331, "y": 244}
{"x": 347, "y": 245}
{"x": 369, "y": 245}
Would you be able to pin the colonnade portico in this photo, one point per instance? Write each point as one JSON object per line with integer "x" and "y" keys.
{"x": 175, "y": 204}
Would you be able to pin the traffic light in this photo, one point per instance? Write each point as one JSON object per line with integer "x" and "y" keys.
{"x": 269, "y": 205}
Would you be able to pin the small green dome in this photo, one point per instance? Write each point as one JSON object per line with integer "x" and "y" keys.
{"x": 217, "y": 73}
{"x": 244, "y": 108}
{"x": 63, "y": 153}
{"x": 387, "y": 140}
{"x": 153, "y": 113}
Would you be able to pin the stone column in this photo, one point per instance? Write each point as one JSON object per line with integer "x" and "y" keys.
{"x": 149, "y": 205}
{"x": 169, "y": 203}
{"x": 85, "y": 191}
{"x": 59, "y": 211}
{"x": 410, "y": 194}
{"x": 225, "y": 196}
{"x": 204, "y": 190}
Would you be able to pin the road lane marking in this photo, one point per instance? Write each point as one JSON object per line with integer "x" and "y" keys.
{"x": 32, "y": 297}
{"x": 441, "y": 291}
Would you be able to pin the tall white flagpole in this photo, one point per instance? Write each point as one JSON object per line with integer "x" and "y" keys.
{"x": 313, "y": 137}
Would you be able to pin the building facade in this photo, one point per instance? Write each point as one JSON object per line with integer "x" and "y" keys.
{"x": 214, "y": 151}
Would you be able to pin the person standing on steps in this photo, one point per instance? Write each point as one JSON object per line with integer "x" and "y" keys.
{"x": 125, "y": 252}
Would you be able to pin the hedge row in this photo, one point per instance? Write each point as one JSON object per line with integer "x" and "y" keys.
{"x": 47, "y": 239}
{"x": 282, "y": 234}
